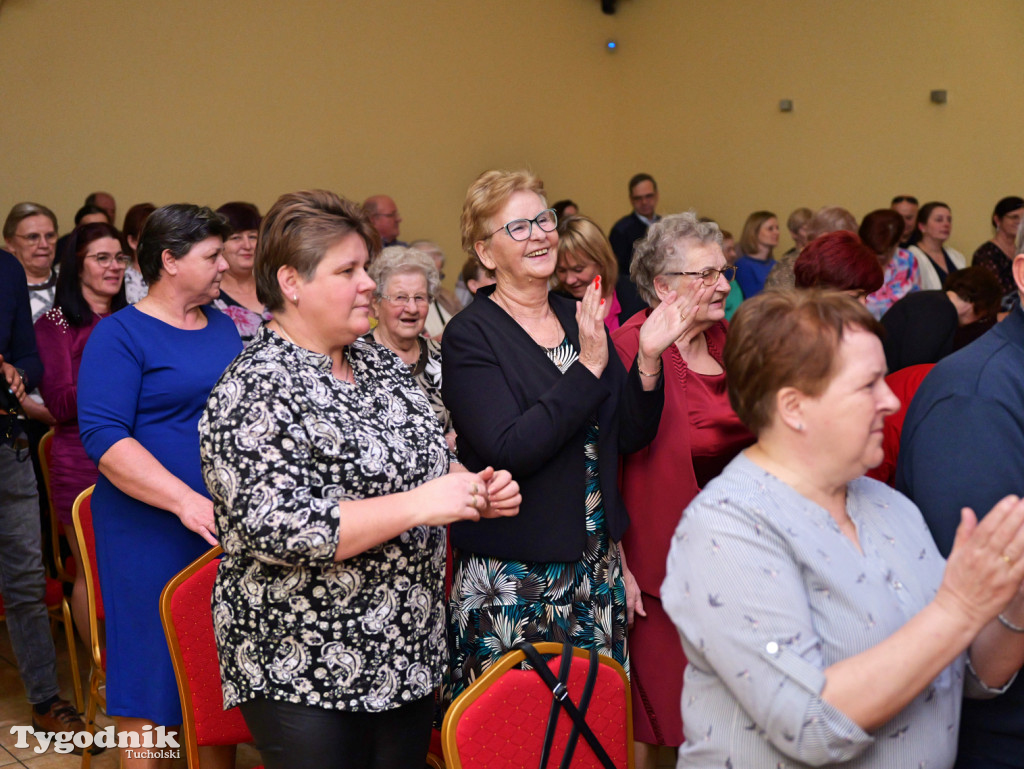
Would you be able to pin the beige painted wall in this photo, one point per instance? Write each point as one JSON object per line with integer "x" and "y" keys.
{"x": 214, "y": 100}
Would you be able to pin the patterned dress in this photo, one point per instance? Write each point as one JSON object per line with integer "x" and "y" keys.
{"x": 426, "y": 372}
{"x": 497, "y": 603}
{"x": 246, "y": 321}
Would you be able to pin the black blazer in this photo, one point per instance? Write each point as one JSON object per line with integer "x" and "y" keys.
{"x": 513, "y": 409}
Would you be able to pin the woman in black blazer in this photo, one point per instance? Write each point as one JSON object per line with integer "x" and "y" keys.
{"x": 533, "y": 385}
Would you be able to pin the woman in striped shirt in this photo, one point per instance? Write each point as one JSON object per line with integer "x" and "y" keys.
{"x": 820, "y": 622}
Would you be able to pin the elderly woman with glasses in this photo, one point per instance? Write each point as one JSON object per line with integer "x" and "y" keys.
{"x": 698, "y": 436}
{"x": 533, "y": 385}
{"x": 407, "y": 281}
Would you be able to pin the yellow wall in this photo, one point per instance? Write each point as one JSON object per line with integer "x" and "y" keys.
{"x": 215, "y": 100}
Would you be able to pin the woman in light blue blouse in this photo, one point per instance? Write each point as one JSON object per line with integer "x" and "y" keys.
{"x": 820, "y": 622}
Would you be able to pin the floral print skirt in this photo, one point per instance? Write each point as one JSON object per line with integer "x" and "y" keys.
{"x": 497, "y": 603}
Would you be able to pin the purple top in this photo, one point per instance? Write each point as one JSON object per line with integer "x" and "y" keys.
{"x": 60, "y": 348}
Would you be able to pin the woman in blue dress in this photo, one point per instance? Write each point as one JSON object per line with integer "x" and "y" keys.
{"x": 145, "y": 376}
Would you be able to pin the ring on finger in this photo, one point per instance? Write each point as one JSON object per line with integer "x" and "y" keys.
{"x": 1008, "y": 559}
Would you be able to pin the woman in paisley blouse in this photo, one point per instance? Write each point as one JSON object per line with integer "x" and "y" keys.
{"x": 331, "y": 485}
{"x": 534, "y": 385}
{"x": 238, "y": 298}
{"x": 821, "y": 625}
{"x": 407, "y": 281}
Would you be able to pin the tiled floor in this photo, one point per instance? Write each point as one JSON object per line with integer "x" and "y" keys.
{"x": 14, "y": 711}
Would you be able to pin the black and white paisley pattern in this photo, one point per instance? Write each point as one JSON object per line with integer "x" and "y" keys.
{"x": 427, "y": 374}
{"x": 283, "y": 442}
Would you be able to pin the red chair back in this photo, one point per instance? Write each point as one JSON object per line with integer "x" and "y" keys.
{"x": 83, "y": 521}
{"x": 188, "y": 623}
{"x": 500, "y": 720}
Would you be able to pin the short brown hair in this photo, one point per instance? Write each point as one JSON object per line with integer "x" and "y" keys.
{"x": 978, "y": 285}
{"x": 881, "y": 231}
{"x": 581, "y": 237}
{"x": 297, "y": 231}
{"x": 485, "y": 198}
{"x": 787, "y": 338}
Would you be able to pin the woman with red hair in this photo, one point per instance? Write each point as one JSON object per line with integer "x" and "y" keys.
{"x": 840, "y": 261}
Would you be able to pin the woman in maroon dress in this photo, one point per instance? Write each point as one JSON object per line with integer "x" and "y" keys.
{"x": 699, "y": 434}
{"x": 90, "y": 286}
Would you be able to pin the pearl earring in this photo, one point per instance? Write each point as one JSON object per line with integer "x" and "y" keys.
{"x": 295, "y": 298}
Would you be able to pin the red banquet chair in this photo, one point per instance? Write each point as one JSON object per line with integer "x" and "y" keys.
{"x": 188, "y": 624}
{"x": 187, "y": 616}
{"x": 62, "y": 575}
{"x": 500, "y": 721}
{"x": 81, "y": 515}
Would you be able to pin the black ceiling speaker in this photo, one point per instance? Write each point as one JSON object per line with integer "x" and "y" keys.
{"x": 608, "y": 6}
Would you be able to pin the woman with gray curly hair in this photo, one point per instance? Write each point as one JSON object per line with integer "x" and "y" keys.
{"x": 699, "y": 434}
{"x": 407, "y": 282}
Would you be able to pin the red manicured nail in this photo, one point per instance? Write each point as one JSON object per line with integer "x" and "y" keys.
{"x": 602, "y": 301}
{"x": 597, "y": 282}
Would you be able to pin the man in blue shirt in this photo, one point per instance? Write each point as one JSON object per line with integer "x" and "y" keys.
{"x": 22, "y": 579}
{"x": 963, "y": 446}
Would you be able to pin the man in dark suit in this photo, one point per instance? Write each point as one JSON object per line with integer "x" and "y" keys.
{"x": 643, "y": 194}
{"x": 961, "y": 446}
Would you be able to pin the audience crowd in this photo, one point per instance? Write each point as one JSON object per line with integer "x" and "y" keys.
{"x": 799, "y": 533}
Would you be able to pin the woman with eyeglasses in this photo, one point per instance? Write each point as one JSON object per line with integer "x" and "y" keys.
{"x": 407, "y": 281}
{"x": 90, "y": 286}
{"x": 699, "y": 435}
{"x": 533, "y": 385}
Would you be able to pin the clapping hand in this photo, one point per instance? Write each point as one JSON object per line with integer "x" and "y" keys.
{"x": 986, "y": 565}
{"x": 590, "y": 315}
{"x": 673, "y": 319}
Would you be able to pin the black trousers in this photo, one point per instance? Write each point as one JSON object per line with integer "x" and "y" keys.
{"x": 290, "y": 736}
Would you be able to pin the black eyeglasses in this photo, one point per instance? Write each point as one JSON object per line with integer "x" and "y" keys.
{"x": 710, "y": 275}
{"x": 522, "y": 229}
{"x": 904, "y": 199}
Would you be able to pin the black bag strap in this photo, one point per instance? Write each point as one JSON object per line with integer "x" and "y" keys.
{"x": 549, "y": 735}
{"x": 585, "y": 695}
{"x": 561, "y": 694}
